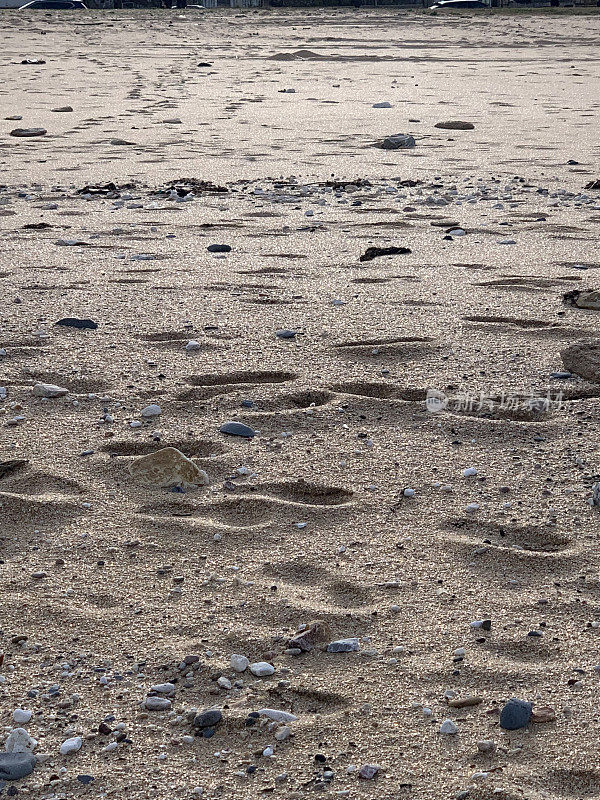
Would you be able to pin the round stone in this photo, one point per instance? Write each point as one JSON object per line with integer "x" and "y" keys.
{"x": 208, "y": 719}
{"x": 71, "y": 745}
{"x": 261, "y": 669}
{"x": 515, "y": 714}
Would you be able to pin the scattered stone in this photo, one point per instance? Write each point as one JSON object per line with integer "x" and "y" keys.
{"x": 515, "y": 714}
{"x": 158, "y": 704}
{"x": 583, "y": 359}
{"x": 397, "y": 141}
{"x": 14, "y": 766}
{"x": 448, "y": 727}
{"x": 343, "y": 646}
{"x": 314, "y": 633}
{"x": 465, "y": 702}
{"x": 583, "y": 298}
{"x": 164, "y": 688}
{"x": 208, "y": 719}
{"x": 28, "y": 132}
{"x": 19, "y": 741}
{"x": 49, "y": 390}
{"x": 374, "y": 252}
{"x": 73, "y": 322}
{"x": 543, "y": 714}
{"x": 277, "y": 716}
{"x": 22, "y": 716}
{"x": 166, "y": 468}
{"x": 219, "y": 248}
{"x": 153, "y": 410}
{"x": 368, "y": 771}
{"x": 285, "y": 334}
{"x": 487, "y": 746}
{"x": 455, "y": 125}
{"x": 62, "y": 109}
{"x": 382, "y": 105}
{"x": 239, "y": 663}
{"x": 262, "y": 669}
{"x": 71, "y": 745}
{"x": 237, "y": 429}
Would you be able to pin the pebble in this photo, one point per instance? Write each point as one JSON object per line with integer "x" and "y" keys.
{"x": 14, "y": 766}
{"x": 368, "y": 771}
{"x": 448, "y": 727}
{"x": 152, "y": 410}
{"x": 239, "y": 663}
{"x": 71, "y": 745}
{"x": 49, "y": 390}
{"x": 158, "y": 704}
{"x": 237, "y": 429}
{"x": 19, "y": 741}
{"x": 192, "y": 346}
{"x": 276, "y": 715}
{"x": 262, "y": 668}
{"x": 208, "y": 719}
{"x": 164, "y": 688}
{"x": 283, "y": 733}
{"x": 343, "y": 646}
{"x": 397, "y": 141}
{"x": 486, "y": 745}
{"x": 22, "y": 716}
{"x": 515, "y": 714}
{"x": 285, "y": 334}
{"x": 219, "y": 248}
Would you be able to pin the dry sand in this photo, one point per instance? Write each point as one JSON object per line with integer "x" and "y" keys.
{"x": 107, "y": 584}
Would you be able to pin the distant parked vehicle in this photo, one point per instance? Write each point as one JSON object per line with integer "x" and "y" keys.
{"x": 53, "y": 5}
{"x": 458, "y": 5}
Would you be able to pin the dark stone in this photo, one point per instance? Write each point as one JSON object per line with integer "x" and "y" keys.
{"x": 285, "y": 334}
{"x": 85, "y": 779}
{"x": 515, "y": 714}
{"x": 28, "y": 132}
{"x": 455, "y": 125}
{"x": 208, "y": 719}
{"x": 374, "y": 252}
{"x": 16, "y": 765}
{"x": 237, "y": 429}
{"x": 486, "y": 625}
{"x": 219, "y": 248}
{"x": 73, "y": 322}
{"x": 397, "y": 141}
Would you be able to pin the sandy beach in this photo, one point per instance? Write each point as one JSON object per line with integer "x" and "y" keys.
{"x": 404, "y": 537}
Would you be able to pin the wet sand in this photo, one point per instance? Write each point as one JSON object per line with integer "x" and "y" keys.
{"x": 107, "y": 584}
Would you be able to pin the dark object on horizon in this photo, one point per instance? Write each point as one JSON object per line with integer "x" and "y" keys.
{"x": 458, "y": 5}
{"x": 81, "y": 324}
{"x": 53, "y": 5}
{"x": 374, "y": 252}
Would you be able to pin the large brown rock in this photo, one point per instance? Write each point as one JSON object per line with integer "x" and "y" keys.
{"x": 583, "y": 358}
{"x": 168, "y": 467}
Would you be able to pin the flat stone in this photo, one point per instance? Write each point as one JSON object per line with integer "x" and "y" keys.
{"x": 465, "y": 702}
{"x": 62, "y": 109}
{"x": 158, "y": 704}
{"x": 262, "y": 669}
{"x": 583, "y": 358}
{"x": 16, "y": 765}
{"x": 166, "y": 468}
{"x": 49, "y": 390}
{"x": 515, "y": 714}
{"x": 397, "y": 141}
{"x": 305, "y": 640}
{"x": 22, "y": 716}
{"x": 368, "y": 771}
{"x": 208, "y": 719}
{"x": 543, "y": 714}
{"x": 343, "y": 646}
{"x": 285, "y": 334}
{"x": 219, "y": 248}
{"x": 28, "y": 132}
{"x": 455, "y": 125}
{"x": 237, "y": 429}
{"x": 277, "y": 716}
{"x": 153, "y": 410}
{"x": 73, "y": 322}
{"x": 163, "y": 688}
